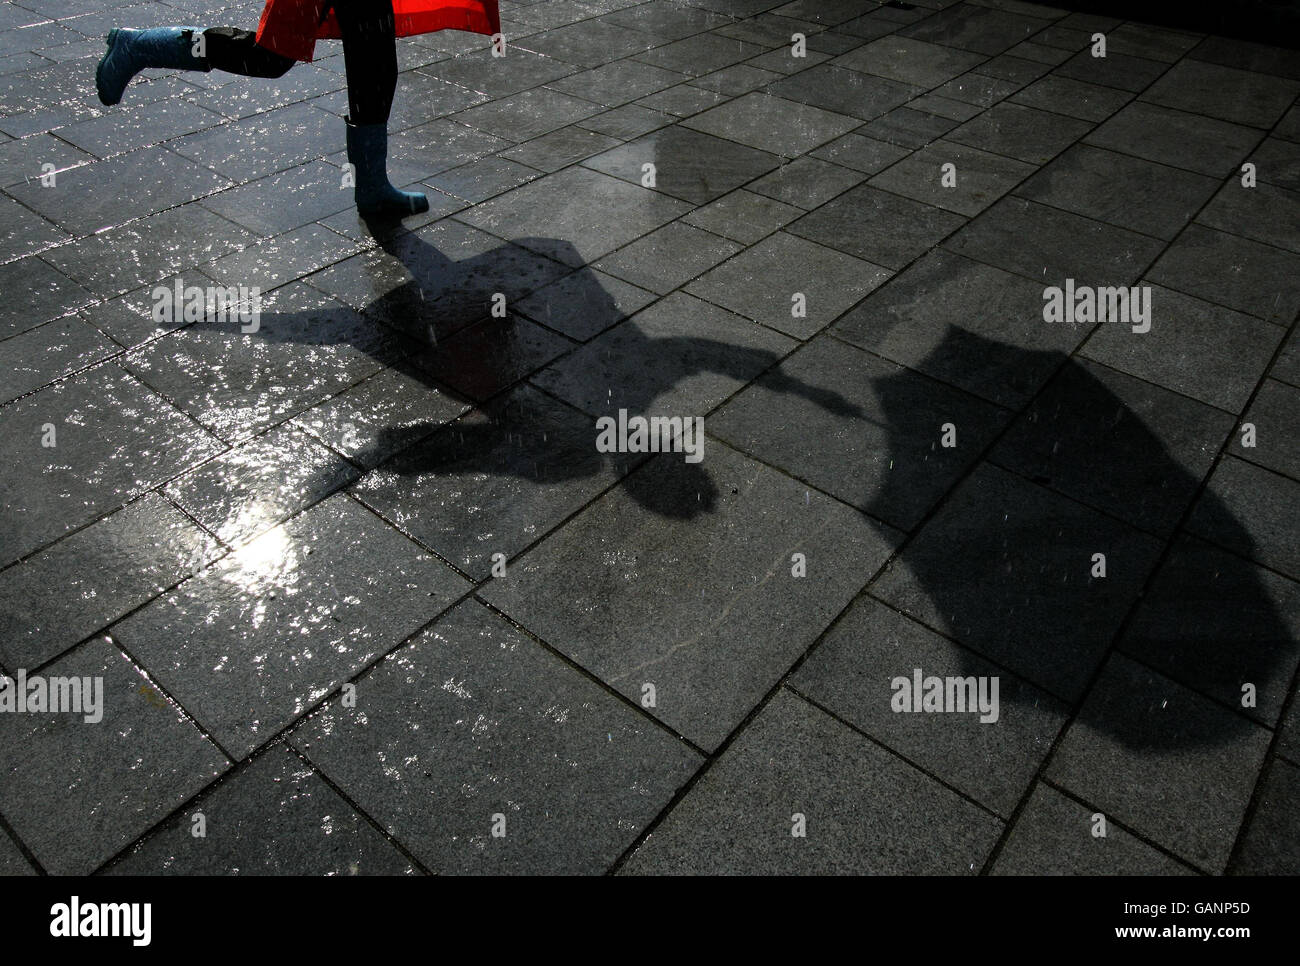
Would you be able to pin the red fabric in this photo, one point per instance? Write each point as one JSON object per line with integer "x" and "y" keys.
{"x": 291, "y": 28}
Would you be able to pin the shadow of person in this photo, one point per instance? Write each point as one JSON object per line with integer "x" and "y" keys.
{"x": 1008, "y": 565}
{"x": 430, "y": 317}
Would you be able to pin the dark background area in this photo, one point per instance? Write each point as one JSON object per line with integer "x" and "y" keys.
{"x": 1275, "y": 22}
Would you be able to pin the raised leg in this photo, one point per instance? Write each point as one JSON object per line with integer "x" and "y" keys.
{"x": 370, "y": 58}
{"x": 185, "y": 48}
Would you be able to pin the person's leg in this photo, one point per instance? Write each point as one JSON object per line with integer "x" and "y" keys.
{"x": 237, "y": 52}
{"x": 370, "y": 59}
{"x": 186, "y": 48}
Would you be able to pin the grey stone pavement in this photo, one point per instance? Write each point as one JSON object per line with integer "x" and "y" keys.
{"x": 278, "y": 549}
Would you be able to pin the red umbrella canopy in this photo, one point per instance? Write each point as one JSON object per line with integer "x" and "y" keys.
{"x": 291, "y": 28}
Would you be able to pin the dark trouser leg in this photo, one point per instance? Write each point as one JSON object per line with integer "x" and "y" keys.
{"x": 369, "y": 56}
{"x": 237, "y": 52}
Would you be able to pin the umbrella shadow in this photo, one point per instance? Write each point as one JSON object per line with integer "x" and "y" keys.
{"x": 430, "y": 317}
{"x": 1017, "y": 581}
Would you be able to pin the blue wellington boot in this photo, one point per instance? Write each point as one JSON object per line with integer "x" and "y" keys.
{"x": 130, "y": 51}
{"x": 368, "y": 154}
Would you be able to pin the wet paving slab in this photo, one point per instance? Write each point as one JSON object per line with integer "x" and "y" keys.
{"x": 148, "y": 249}
{"x": 697, "y": 167}
{"x": 729, "y": 529}
{"x": 517, "y": 738}
{"x": 796, "y": 758}
{"x": 37, "y": 294}
{"x": 234, "y": 382}
{"x": 1040, "y": 837}
{"x": 1121, "y": 734}
{"x": 113, "y": 779}
{"x": 63, "y": 594}
{"x": 86, "y": 447}
{"x": 275, "y": 817}
{"x": 841, "y": 678}
{"x": 257, "y": 640}
{"x": 525, "y": 458}
{"x": 883, "y": 452}
{"x": 153, "y": 177}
